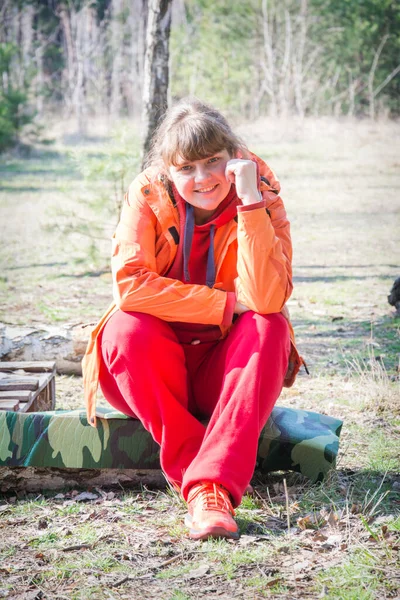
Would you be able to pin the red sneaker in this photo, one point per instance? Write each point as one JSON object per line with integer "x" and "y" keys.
{"x": 210, "y": 512}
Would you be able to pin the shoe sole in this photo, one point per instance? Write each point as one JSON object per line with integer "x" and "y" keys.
{"x": 210, "y": 532}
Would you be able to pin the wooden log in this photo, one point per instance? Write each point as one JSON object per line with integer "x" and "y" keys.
{"x": 34, "y": 479}
{"x": 26, "y": 366}
{"x": 64, "y": 344}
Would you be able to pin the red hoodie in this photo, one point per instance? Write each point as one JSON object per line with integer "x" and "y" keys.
{"x": 194, "y": 262}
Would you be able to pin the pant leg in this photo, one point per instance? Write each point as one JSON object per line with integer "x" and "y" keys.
{"x": 144, "y": 374}
{"x": 238, "y": 384}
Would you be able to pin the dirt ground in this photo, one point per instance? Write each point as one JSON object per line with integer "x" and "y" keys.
{"x": 340, "y": 183}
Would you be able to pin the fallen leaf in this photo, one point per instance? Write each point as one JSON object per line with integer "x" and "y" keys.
{"x": 200, "y": 571}
{"x": 299, "y": 566}
{"x": 333, "y": 519}
{"x": 319, "y": 537}
{"x": 85, "y": 497}
{"x": 246, "y": 540}
{"x": 310, "y": 521}
{"x": 334, "y": 539}
{"x": 42, "y": 524}
{"x": 88, "y": 516}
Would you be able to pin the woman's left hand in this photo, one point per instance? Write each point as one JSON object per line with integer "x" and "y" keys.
{"x": 243, "y": 173}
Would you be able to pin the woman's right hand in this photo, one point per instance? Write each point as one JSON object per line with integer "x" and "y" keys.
{"x": 240, "y": 308}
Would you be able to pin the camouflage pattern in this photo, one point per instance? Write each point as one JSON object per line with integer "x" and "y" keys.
{"x": 294, "y": 440}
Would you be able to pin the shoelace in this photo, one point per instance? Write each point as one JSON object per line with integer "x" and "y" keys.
{"x": 212, "y": 498}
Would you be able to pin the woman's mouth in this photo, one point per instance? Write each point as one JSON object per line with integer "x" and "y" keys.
{"x": 206, "y": 190}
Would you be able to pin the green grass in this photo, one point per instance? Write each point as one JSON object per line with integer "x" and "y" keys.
{"x": 45, "y": 541}
{"x": 358, "y": 578}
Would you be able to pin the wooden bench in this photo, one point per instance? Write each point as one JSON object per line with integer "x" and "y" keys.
{"x": 27, "y": 386}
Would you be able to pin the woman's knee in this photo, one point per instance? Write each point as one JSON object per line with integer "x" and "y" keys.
{"x": 266, "y": 328}
{"x": 134, "y": 332}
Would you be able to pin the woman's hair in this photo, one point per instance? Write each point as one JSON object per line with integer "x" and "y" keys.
{"x": 191, "y": 130}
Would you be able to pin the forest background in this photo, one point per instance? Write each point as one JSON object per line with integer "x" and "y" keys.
{"x": 250, "y": 57}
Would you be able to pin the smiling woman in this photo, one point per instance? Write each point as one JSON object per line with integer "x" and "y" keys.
{"x": 202, "y": 183}
{"x": 198, "y": 329}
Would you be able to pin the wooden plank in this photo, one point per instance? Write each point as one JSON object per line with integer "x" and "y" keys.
{"x": 19, "y": 383}
{"x": 36, "y": 393}
{"x": 23, "y": 395}
{"x": 44, "y": 398}
{"x": 12, "y": 405}
{"x": 30, "y": 367}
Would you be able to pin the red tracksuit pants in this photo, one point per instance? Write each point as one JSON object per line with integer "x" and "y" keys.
{"x": 147, "y": 373}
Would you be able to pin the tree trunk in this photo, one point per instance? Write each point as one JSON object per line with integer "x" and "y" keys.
{"x": 156, "y": 71}
{"x": 269, "y": 64}
{"x": 39, "y": 78}
{"x": 78, "y": 96}
{"x": 117, "y": 37}
{"x": 27, "y": 35}
{"x": 137, "y": 22}
{"x": 69, "y": 71}
{"x": 299, "y": 59}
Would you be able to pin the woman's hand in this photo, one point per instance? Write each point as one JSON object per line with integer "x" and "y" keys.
{"x": 243, "y": 173}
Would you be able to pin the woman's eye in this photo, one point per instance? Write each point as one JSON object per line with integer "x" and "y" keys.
{"x": 213, "y": 159}
{"x": 186, "y": 168}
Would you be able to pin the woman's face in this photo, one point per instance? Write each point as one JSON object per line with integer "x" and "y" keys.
{"x": 202, "y": 183}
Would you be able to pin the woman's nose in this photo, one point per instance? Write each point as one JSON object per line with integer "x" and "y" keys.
{"x": 201, "y": 173}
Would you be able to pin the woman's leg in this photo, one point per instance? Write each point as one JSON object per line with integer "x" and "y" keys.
{"x": 237, "y": 385}
{"x": 144, "y": 374}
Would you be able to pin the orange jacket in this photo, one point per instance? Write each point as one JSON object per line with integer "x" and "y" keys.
{"x": 252, "y": 259}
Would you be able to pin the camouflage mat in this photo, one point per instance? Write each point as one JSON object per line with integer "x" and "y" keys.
{"x": 295, "y": 440}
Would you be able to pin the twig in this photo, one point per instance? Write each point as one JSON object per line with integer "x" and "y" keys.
{"x": 160, "y": 566}
{"x": 78, "y": 547}
{"x": 86, "y": 546}
{"x": 166, "y": 563}
{"x": 268, "y": 509}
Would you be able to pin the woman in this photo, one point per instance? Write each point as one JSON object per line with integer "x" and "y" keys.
{"x": 198, "y": 329}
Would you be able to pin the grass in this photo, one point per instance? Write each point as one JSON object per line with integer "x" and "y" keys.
{"x": 341, "y": 190}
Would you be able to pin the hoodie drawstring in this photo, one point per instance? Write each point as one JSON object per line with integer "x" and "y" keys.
{"x": 187, "y": 240}
{"x": 210, "y": 274}
{"x": 187, "y": 246}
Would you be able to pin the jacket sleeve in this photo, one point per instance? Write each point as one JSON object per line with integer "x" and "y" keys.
{"x": 264, "y": 281}
{"x": 137, "y": 286}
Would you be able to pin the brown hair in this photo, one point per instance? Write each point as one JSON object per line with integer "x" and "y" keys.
{"x": 191, "y": 130}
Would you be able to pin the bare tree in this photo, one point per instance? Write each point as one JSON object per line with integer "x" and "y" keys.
{"x": 156, "y": 71}
{"x": 117, "y": 37}
{"x": 137, "y": 22}
{"x": 372, "y": 93}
